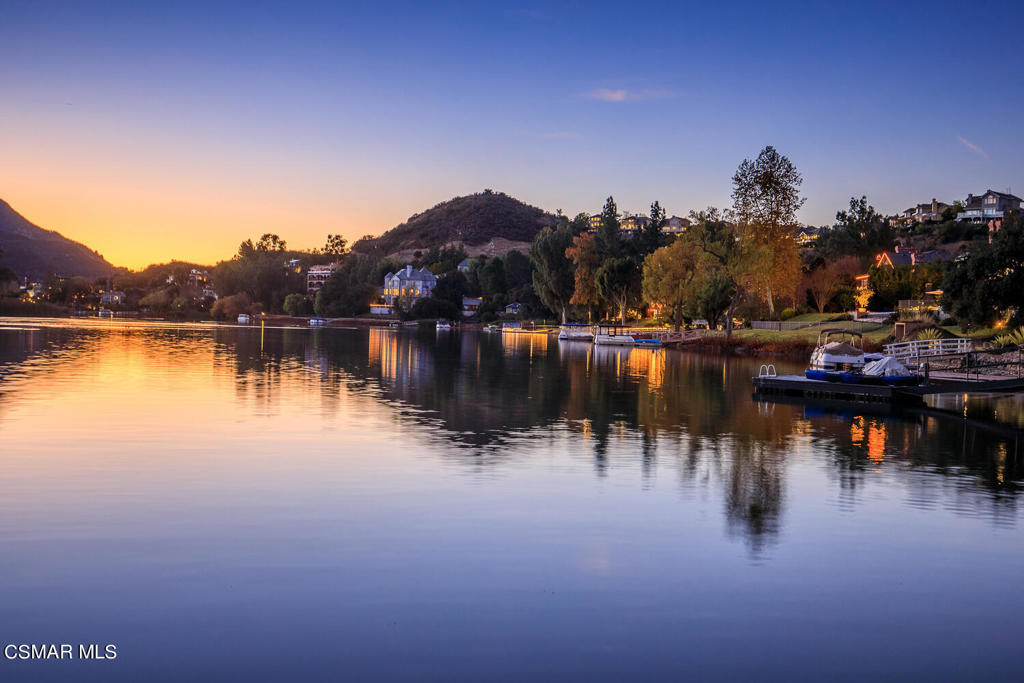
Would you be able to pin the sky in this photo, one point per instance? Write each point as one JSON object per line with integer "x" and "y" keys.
{"x": 152, "y": 131}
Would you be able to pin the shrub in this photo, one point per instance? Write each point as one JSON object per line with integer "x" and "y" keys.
{"x": 1014, "y": 338}
{"x": 787, "y": 313}
{"x": 928, "y": 334}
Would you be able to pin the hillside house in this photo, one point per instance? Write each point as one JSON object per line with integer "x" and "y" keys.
{"x": 408, "y": 284}
{"x": 989, "y": 206}
{"x": 470, "y": 305}
{"x": 676, "y": 225}
{"x": 113, "y": 298}
{"x": 925, "y": 213}
{"x": 316, "y": 276}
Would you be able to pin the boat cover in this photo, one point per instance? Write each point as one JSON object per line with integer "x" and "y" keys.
{"x": 886, "y": 366}
{"x": 843, "y": 349}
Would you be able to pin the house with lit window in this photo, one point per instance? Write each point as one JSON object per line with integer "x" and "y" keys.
{"x": 408, "y": 284}
{"x": 990, "y": 206}
{"x": 675, "y": 225}
{"x": 316, "y": 276}
{"x": 634, "y": 224}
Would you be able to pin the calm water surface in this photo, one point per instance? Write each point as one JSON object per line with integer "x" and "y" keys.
{"x": 350, "y": 504}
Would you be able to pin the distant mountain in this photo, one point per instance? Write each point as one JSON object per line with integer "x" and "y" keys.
{"x": 31, "y": 251}
{"x": 473, "y": 220}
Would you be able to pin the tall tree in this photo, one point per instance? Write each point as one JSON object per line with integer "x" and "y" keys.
{"x": 335, "y": 246}
{"x": 766, "y": 197}
{"x": 742, "y": 262}
{"x": 668, "y": 276}
{"x": 825, "y": 281}
{"x": 618, "y": 281}
{"x": 860, "y": 231}
{"x": 553, "y": 279}
{"x": 651, "y": 237}
{"x": 608, "y": 239}
{"x": 585, "y": 260}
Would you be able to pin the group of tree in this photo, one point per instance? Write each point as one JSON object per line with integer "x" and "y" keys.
{"x": 988, "y": 285}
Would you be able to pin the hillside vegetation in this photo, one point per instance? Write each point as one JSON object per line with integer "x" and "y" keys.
{"x": 31, "y": 251}
{"x": 471, "y": 220}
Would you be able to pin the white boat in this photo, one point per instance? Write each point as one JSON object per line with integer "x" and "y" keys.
{"x": 443, "y": 325}
{"x": 317, "y": 321}
{"x": 617, "y": 335}
{"x": 576, "y": 332}
{"x": 838, "y": 355}
{"x": 841, "y": 361}
{"x": 244, "y": 319}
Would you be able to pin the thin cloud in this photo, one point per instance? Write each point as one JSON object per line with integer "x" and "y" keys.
{"x": 560, "y": 135}
{"x": 973, "y": 147}
{"x": 624, "y": 95}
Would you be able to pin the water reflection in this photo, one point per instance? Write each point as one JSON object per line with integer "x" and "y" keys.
{"x": 404, "y": 504}
{"x": 477, "y": 395}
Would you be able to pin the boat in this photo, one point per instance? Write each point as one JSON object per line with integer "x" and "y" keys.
{"x": 576, "y": 332}
{"x": 512, "y": 328}
{"x": 619, "y": 335}
{"x": 837, "y": 360}
{"x": 317, "y": 321}
{"x": 443, "y": 325}
{"x": 491, "y": 328}
{"x": 244, "y": 319}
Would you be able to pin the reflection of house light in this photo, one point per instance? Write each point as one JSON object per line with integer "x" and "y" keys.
{"x": 857, "y": 431}
{"x": 1001, "y": 463}
{"x": 588, "y": 428}
{"x": 876, "y": 442}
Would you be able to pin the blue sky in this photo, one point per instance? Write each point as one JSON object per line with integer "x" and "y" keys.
{"x": 159, "y": 130}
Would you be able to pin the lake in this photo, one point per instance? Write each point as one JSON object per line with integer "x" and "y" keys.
{"x": 348, "y": 504}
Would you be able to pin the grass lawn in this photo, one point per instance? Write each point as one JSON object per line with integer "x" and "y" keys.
{"x": 872, "y": 332}
{"x": 981, "y": 334}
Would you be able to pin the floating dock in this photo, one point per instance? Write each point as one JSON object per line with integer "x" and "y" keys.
{"x": 797, "y": 385}
{"x": 800, "y": 386}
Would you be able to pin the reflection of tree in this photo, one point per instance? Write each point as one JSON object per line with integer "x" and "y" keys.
{"x": 649, "y": 409}
{"x": 754, "y": 491}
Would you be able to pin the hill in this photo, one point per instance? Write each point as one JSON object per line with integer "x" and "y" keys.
{"x": 475, "y": 220}
{"x": 32, "y": 251}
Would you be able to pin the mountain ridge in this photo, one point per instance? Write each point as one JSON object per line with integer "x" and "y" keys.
{"x": 470, "y": 220}
{"x": 35, "y": 252}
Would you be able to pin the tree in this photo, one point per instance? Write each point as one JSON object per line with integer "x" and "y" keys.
{"x": 452, "y": 287}
{"x": 229, "y": 307}
{"x": 430, "y": 307}
{"x": 766, "y": 197}
{"x": 618, "y": 281}
{"x": 989, "y": 284}
{"x": 553, "y": 279}
{"x": 351, "y": 288}
{"x": 889, "y": 285}
{"x": 668, "y": 276}
{"x": 296, "y": 305}
{"x": 608, "y": 239}
{"x": 335, "y": 246}
{"x": 714, "y": 295}
{"x": 860, "y": 231}
{"x": 580, "y": 224}
{"x": 651, "y": 237}
{"x": 825, "y": 281}
{"x": 585, "y": 260}
{"x": 741, "y": 262}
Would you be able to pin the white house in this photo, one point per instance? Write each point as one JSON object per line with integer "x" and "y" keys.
{"x": 408, "y": 284}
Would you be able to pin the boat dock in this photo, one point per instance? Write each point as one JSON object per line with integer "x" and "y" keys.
{"x": 799, "y": 386}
